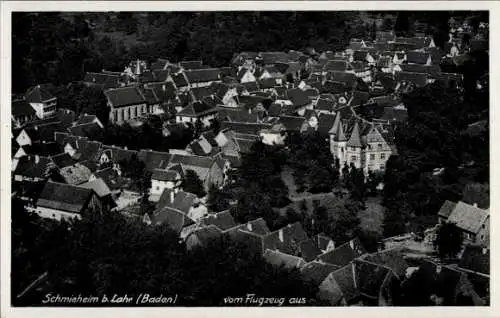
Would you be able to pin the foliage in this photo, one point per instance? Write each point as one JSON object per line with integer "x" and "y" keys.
{"x": 93, "y": 255}
{"x": 135, "y": 169}
{"x": 312, "y": 162}
{"x": 219, "y": 198}
{"x": 193, "y": 184}
{"x": 448, "y": 240}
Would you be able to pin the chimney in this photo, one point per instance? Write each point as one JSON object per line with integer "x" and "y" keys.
{"x": 474, "y": 205}
{"x": 35, "y": 127}
{"x": 351, "y": 244}
{"x": 280, "y": 234}
{"x": 37, "y": 159}
{"x": 485, "y": 250}
{"x": 249, "y": 226}
{"x": 172, "y": 196}
{"x": 164, "y": 87}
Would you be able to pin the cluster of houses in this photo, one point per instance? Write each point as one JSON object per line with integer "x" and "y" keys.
{"x": 352, "y": 98}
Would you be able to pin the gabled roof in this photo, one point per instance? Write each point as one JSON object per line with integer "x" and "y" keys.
{"x": 390, "y": 258}
{"x": 99, "y": 186}
{"x": 246, "y": 128}
{"x": 316, "y": 272}
{"x": 419, "y": 79}
{"x": 292, "y": 234}
{"x": 183, "y": 201}
{"x": 197, "y": 109}
{"x": 38, "y": 94}
{"x": 417, "y": 57}
{"x": 154, "y": 159}
{"x": 173, "y": 218}
{"x": 325, "y": 104}
{"x": 343, "y": 254}
{"x": 308, "y": 250}
{"x": 370, "y": 278}
{"x": 105, "y": 80}
{"x": 125, "y": 96}
{"x": 468, "y": 217}
{"x": 180, "y": 80}
{"x": 63, "y": 160}
{"x": 325, "y": 123}
{"x": 33, "y": 166}
{"x": 75, "y": 174}
{"x": 336, "y": 65}
{"x": 237, "y": 115}
{"x": 91, "y": 130}
{"x": 446, "y": 209}
{"x": 283, "y": 260}
{"x": 360, "y": 56}
{"x": 22, "y": 108}
{"x": 432, "y": 70}
{"x": 347, "y": 79}
{"x": 43, "y": 132}
{"x": 191, "y": 65}
{"x": 223, "y": 220}
{"x": 298, "y": 97}
{"x": 159, "y": 64}
{"x": 64, "y": 197}
{"x": 293, "y": 123}
{"x": 203, "y": 75}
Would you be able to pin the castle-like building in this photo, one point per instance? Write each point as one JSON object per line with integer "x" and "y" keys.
{"x": 364, "y": 144}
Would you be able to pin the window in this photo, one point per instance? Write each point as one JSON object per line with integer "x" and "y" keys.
{"x": 372, "y": 157}
{"x": 379, "y": 146}
{"x": 353, "y": 158}
{"x": 157, "y": 187}
{"x": 382, "y": 156}
{"x": 483, "y": 226}
{"x": 382, "y": 167}
{"x": 482, "y": 237}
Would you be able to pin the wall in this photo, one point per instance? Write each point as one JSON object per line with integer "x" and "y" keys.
{"x": 23, "y": 139}
{"x": 483, "y": 236}
{"x": 55, "y": 214}
{"x": 157, "y": 186}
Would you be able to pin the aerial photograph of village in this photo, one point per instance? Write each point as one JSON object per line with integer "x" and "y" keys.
{"x": 249, "y": 159}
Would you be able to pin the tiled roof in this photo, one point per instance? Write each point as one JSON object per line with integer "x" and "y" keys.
{"x": 223, "y": 220}
{"x": 468, "y": 217}
{"x": 370, "y": 278}
{"x": 283, "y": 260}
{"x": 316, "y": 272}
{"x": 309, "y": 250}
{"x": 292, "y": 234}
{"x": 64, "y": 197}
{"x": 125, "y": 96}
{"x": 203, "y": 75}
{"x": 343, "y": 254}
{"x": 433, "y": 70}
{"x": 76, "y": 174}
{"x": 63, "y": 160}
{"x": 346, "y": 281}
{"x": 22, "y": 108}
{"x": 90, "y": 130}
{"x": 417, "y": 57}
{"x": 446, "y": 209}
{"x": 336, "y": 65}
{"x": 98, "y": 185}
{"x": 292, "y": 123}
{"x": 180, "y": 80}
{"x": 38, "y": 94}
{"x": 154, "y": 159}
{"x": 43, "y": 132}
{"x": 183, "y": 201}
{"x": 197, "y": 109}
{"x": 191, "y": 65}
{"x": 390, "y": 258}
{"x": 298, "y": 97}
{"x": 31, "y": 167}
{"x": 173, "y": 218}
{"x": 105, "y": 80}
{"x": 325, "y": 123}
{"x": 347, "y": 79}
{"x": 245, "y": 128}
{"x": 165, "y": 175}
{"x": 419, "y": 79}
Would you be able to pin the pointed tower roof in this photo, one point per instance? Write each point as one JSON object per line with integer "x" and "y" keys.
{"x": 336, "y": 124}
{"x": 355, "y": 139}
{"x": 340, "y": 136}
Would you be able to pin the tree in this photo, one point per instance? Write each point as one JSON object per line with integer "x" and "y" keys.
{"x": 218, "y": 198}
{"x": 193, "y": 184}
{"x": 448, "y": 240}
{"x": 135, "y": 169}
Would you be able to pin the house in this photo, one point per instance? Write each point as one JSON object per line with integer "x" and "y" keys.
{"x": 184, "y": 202}
{"x": 32, "y": 168}
{"x": 324, "y": 243}
{"x": 204, "y": 237}
{"x": 162, "y": 179}
{"x": 38, "y": 133}
{"x": 223, "y": 220}
{"x": 363, "y": 56}
{"x": 22, "y": 112}
{"x": 283, "y": 260}
{"x": 204, "y": 77}
{"x": 191, "y": 65}
{"x": 75, "y": 174}
{"x": 125, "y": 103}
{"x": 42, "y": 101}
{"x": 91, "y": 130}
{"x": 445, "y": 211}
{"x": 103, "y": 80}
{"x": 316, "y": 272}
{"x": 245, "y": 75}
{"x": 417, "y": 57}
{"x": 343, "y": 254}
{"x": 103, "y": 192}
{"x": 475, "y": 259}
{"x": 193, "y": 112}
{"x": 63, "y": 201}
{"x": 294, "y": 123}
{"x": 473, "y": 221}
{"x": 208, "y": 169}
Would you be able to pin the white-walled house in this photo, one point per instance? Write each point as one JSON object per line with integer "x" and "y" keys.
{"x": 42, "y": 101}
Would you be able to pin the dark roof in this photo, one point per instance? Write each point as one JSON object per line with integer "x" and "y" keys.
{"x": 88, "y": 150}
{"x": 183, "y": 201}
{"x": 346, "y": 281}
{"x": 43, "y": 132}
{"x": 309, "y": 250}
{"x": 476, "y": 258}
{"x": 237, "y": 115}
{"x": 63, "y": 160}
{"x": 282, "y": 260}
{"x": 223, "y": 220}
{"x": 316, "y": 272}
{"x": 292, "y": 234}
{"x": 105, "y": 80}
{"x": 203, "y": 75}
{"x": 417, "y": 57}
{"x": 110, "y": 177}
{"x": 64, "y": 197}
{"x": 38, "y": 94}
{"x": 118, "y": 154}
{"x": 433, "y": 70}
{"x": 180, "y": 80}
{"x": 370, "y": 278}
{"x": 467, "y": 217}
{"x": 165, "y": 175}
{"x": 164, "y": 91}
{"x": 125, "y": 96}
{"x": 22, "y": 108}
{"x": 359, "y": 98}
{"x": 391, "y": 258}
{"x": 325, "y": 104}
{"x": 159, "y": 64}
{"x": 246, "y": 128}
{"x": 90, "y": 130}
{"x": 42, "y": 149}
{"x": 336, "y": 65}
{"x": 298, "y": 97}
{"x": 343, "y": 254}
{"x": 197, "y": 109}
{"x": 154, "y": 159}
{"x": 360, "y": 56}
{"x": 325, "y": 123}
{"x": 191, "y": 65}
{"x": 31, "y": 167}
{"x": 419, "y": 79}
{"x": 173, "y": 218}
{"x": 292, "y": 123}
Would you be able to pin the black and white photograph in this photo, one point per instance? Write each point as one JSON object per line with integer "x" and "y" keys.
{"x": 248, "y": 158}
